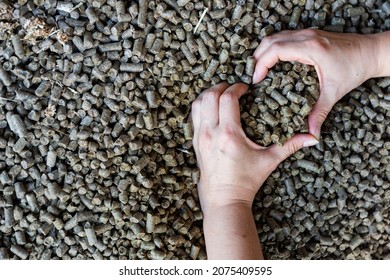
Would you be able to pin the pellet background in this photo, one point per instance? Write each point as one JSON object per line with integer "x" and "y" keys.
{"x": 96, "y": 159}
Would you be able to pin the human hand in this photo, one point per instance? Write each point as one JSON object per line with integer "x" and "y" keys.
{"x": 342, "y": 62}
{"x": 232, "y": 167}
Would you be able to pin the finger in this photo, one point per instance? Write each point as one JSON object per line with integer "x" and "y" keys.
{"x": 210, "y": 104}
{"x": 284, "y": 51}
{"x": 195, "y": 114}
{"x": 229, "y": 107}
{"x": 285, "y": 35}
{"x": 276, "y": 153}
{"x": 320, "y": 111}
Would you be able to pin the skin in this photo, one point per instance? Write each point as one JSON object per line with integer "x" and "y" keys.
{"x": 232, "y": 167}
{"x": 232, "y": 170}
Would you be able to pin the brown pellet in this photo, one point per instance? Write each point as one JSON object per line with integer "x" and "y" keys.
{"x": 4, "y": 77}
{"x": 211, "y": 69}
{"x": 19, "y": 251}
{"x": 18, "y": 46}
{"x": 188, "y": 54}
{"x": 131, "y": 67}
{"x": 142, "y": 13}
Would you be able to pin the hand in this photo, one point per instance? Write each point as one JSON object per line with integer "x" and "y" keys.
{"x": 342, "y": 62}
{"x": 232, "y": 167}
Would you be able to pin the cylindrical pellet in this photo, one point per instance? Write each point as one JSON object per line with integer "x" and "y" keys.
{"x": 54, "y": 190}
{"x": 308, "y": 165}
{"x": 19, "y": 251}
{"x": 121, "y": 12}
{"x": 71, "y": 223}
{"x": 356, "y": 242}
{"x": 131, "y": 67}
{"x": 142, "y": 14}
{"x": 152, "y": 98}
{"x": 42, "y": 88}
{"x": 90, "y": 234}
{"x": 20, "y": 190}
{"x": 138, "y": 47}
{"x": 150, "y": 223}
{"x": 296, "y": 98}
{"x": 4, "y": 77}
{"x": 202, "y": 49}
{"x": 188, "y": 54}
{"x": 157, "y": 46}
{"x": 20, "y": 237}
{"x": 18, "y": 46}
{"x": 237, "y": 14}
{"x": 305, "y": 110}
{"x": 270, "y": 119}
{"x": 278, "y": 97}
{"x": 250, "y": 65}
{"x": 51, "y": 159}
{"x": 20, "y": 145}
{"x": 211, "y": 69}
{"x": 355, "y": 11}
{"x": 182, "y": 3}
{"x": 141, "y": 163}
{"x": 295, "y": 16}
{"x": 239, "y": 70}
{"x": 187, "y": 130}
{"x": 91, "y": 15}
{"x": 223, "y": 56}
{"x": 9, "y": 219}
{"x": 4, "y": 253}
{"x": 263, "y": 5}
{"x": 17, "y": 125}
{"x": 111, "y": 47}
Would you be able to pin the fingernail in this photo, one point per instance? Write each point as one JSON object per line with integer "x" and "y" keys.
{"x": 254, "y": 78}
{"x": 316, "y": 133}
{"x": 310, "y": 143}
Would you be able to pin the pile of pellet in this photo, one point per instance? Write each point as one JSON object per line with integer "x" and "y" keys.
{"x": 276, "y": 108}
{"x": 96, "y": 156}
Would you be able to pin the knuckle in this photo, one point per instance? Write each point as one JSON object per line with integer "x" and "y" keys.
{"x": 227, "y": 131}
{"x": 196, "y": 104}
{"x": 320, "y": 44}
{"x": 204, "y": 133}
{"x": 210, "y": 93}
{"x": 228, "y": 96}
{"x": 277, "y": 46}
{"x": 309, "y": 32}
{"x": 267, "y": 40}
{"x": 228, "y": 139}
{"x": 204, "y": 138}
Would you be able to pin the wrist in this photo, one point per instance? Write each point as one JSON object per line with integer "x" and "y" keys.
{"x": 369, "y": 53}
{"x": 226, "y": 209}
{"x": 225, "y": 196}
{"x": 230, "y": 233}
{"x": 382, "y": 49}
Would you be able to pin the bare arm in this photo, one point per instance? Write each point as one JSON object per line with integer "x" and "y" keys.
{"x": 232, "y": 170}
{"x": 231, "y": 233}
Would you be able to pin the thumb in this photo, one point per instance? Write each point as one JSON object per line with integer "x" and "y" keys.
{"x": 293, "y": 145}
{"x": 319, "y": 112}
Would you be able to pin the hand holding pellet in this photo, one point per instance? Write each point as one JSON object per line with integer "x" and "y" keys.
{"x": 232, "y": 170}
{"x": 342, "y": 62}
{"x": 232, "y": 167}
